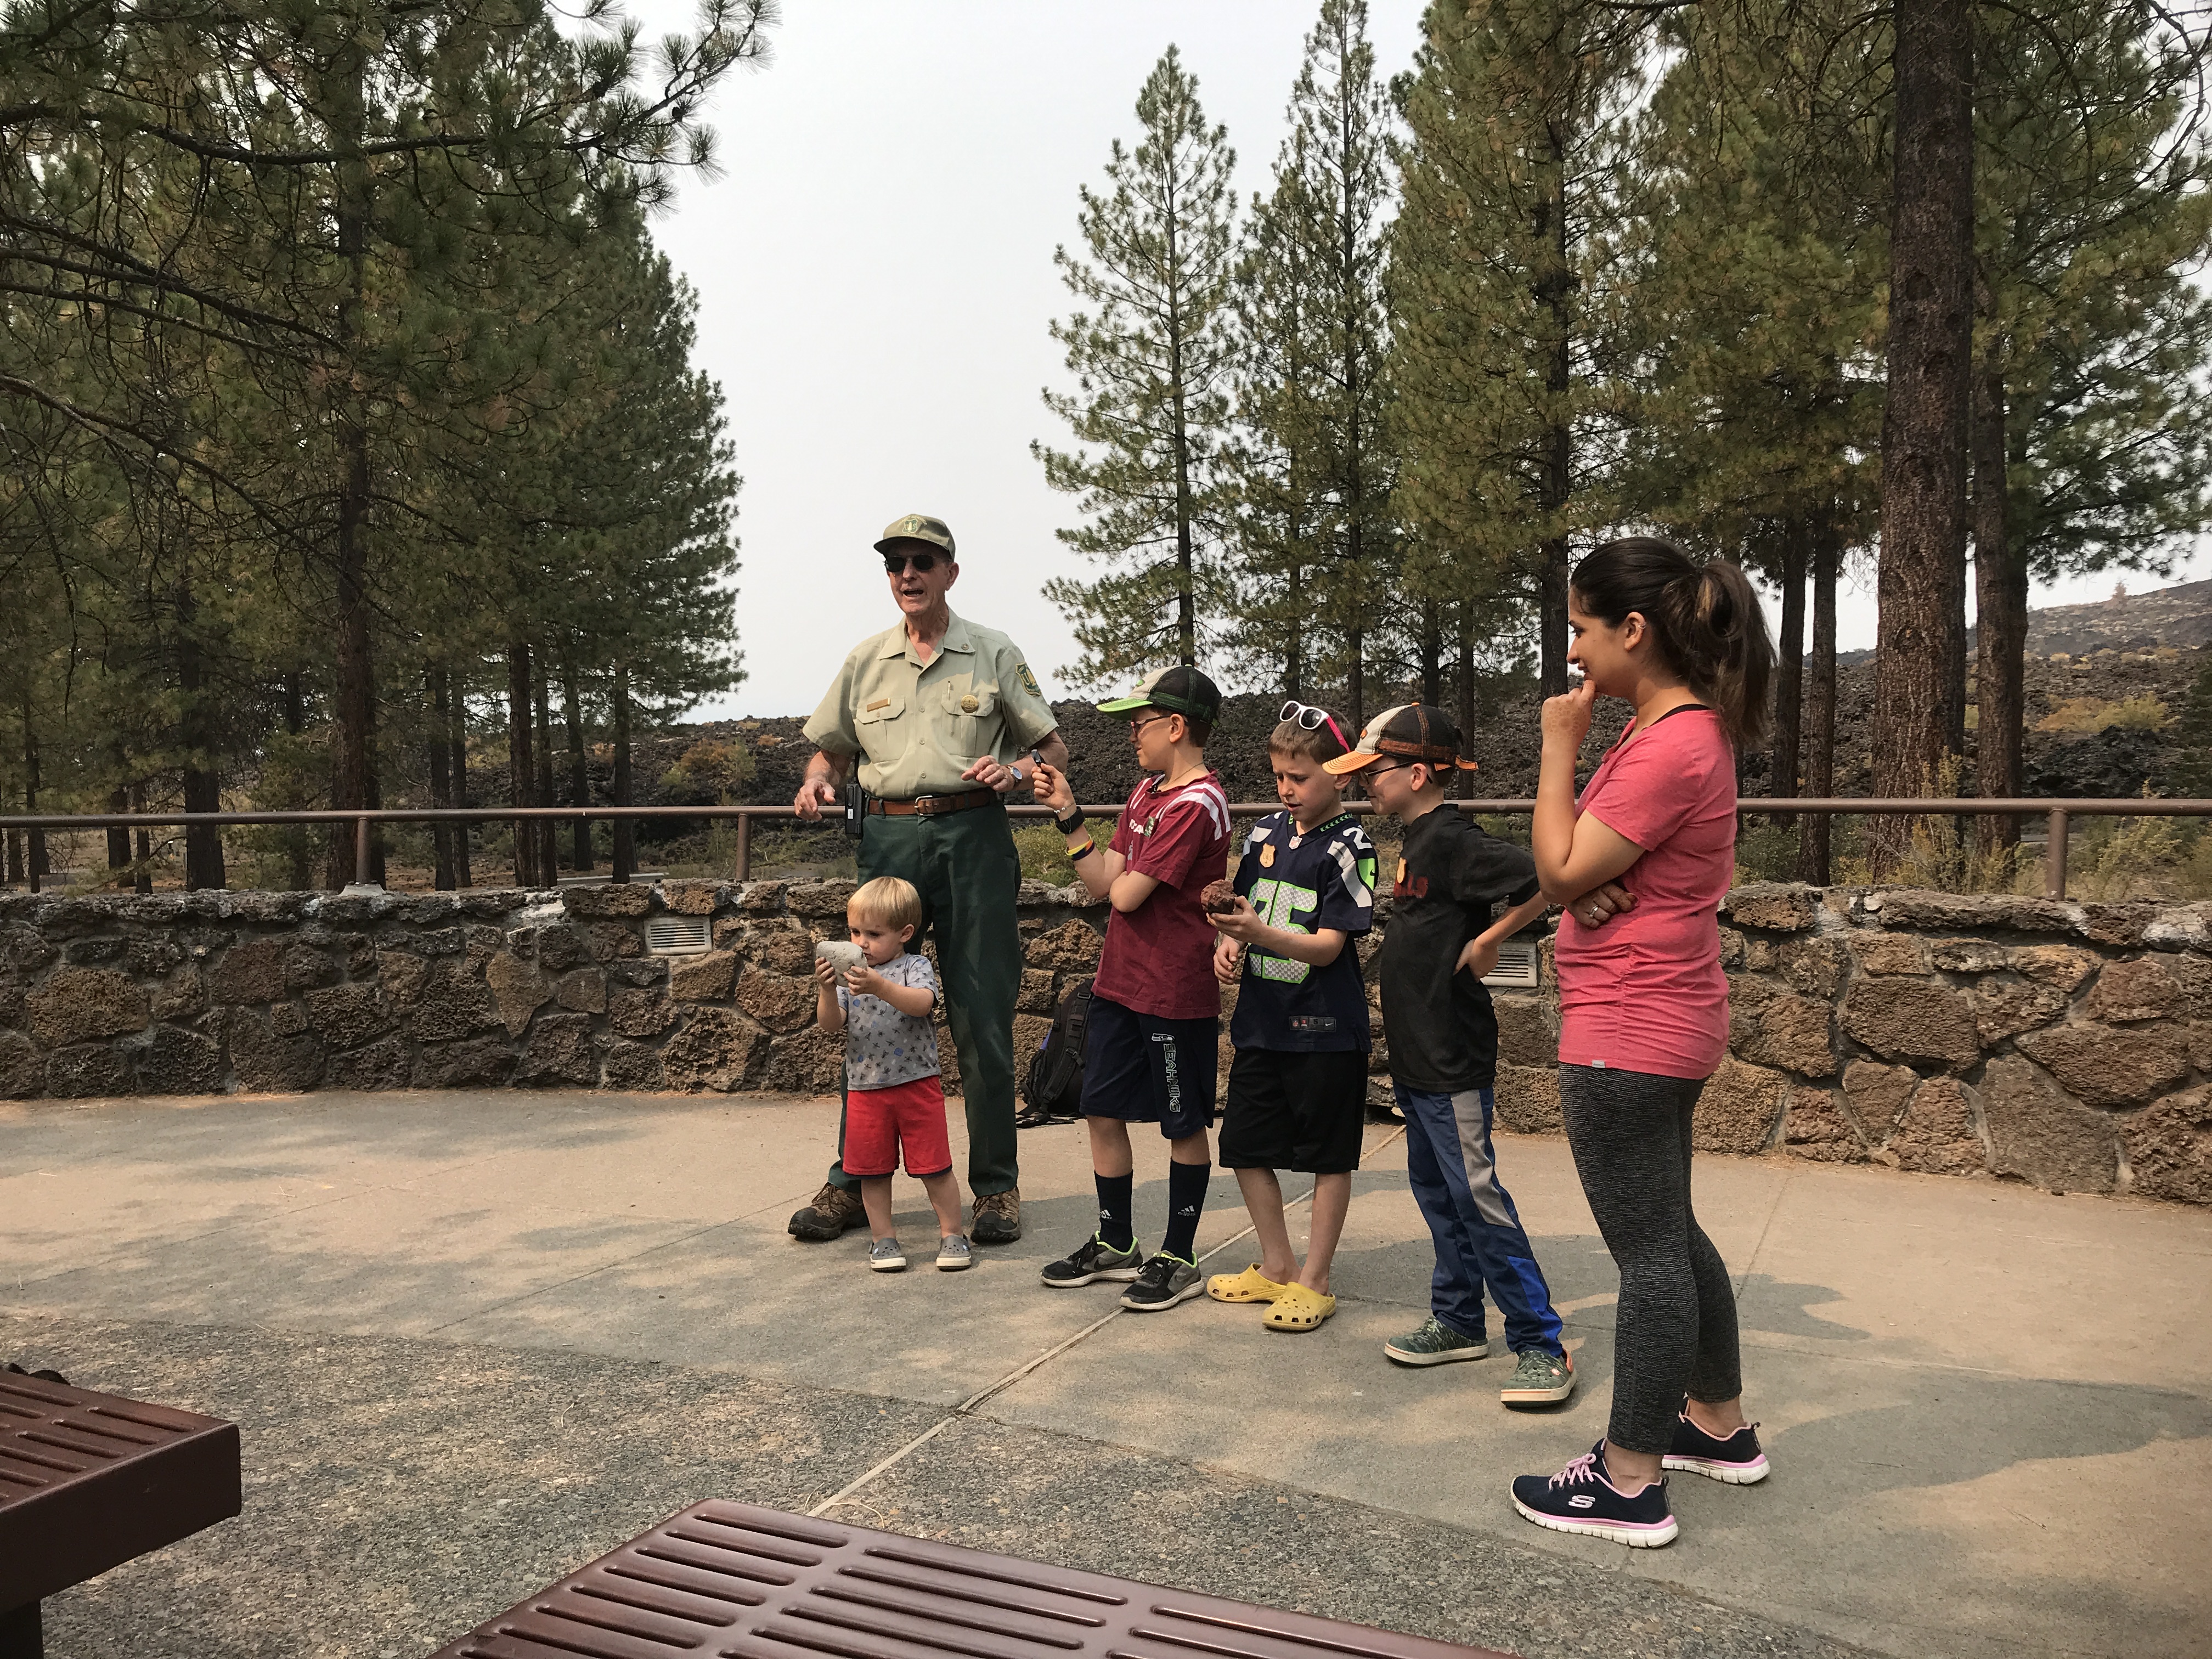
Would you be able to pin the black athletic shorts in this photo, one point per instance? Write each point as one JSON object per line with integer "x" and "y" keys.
{"x": 1291, "y": 1111}
{"x": 1144, "y": 1069}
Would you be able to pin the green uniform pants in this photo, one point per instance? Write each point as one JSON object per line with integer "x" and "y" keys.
{"x": 967, "y": 874}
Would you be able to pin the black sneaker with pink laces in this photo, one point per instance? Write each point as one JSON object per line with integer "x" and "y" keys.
{"x": 1582, "y": 1498}
{"x": 1737, "y": 1460}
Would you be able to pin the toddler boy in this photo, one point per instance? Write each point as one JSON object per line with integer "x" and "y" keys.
{"x": 895, "y": 1097}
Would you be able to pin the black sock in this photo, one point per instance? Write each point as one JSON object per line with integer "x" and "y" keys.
{"x": 1114, "y": 1207}
{"x": 1186, "y": 1203}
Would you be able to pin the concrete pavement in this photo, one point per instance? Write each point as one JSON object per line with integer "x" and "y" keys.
{"x": 584, "y": 1307}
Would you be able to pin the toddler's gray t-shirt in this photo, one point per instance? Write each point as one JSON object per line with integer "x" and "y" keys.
{"x": 884, "y": 1047}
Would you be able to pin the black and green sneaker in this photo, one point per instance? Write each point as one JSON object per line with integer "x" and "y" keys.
{"x": 1163, "y": 1282}
{"x": 1095, "y": 1259}
{"x": 1435, "y": 1344}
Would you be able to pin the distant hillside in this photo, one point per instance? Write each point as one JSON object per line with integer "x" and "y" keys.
{"x": 2180, "y": 616}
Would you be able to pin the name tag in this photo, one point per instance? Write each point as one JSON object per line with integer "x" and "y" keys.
{"x": 880, "y": 702}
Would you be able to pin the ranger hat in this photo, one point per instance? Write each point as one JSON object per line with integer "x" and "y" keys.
{"x": 1412, "y": 732}
{"x": 1176, "y": 690}
{"x": 918, "y": 527}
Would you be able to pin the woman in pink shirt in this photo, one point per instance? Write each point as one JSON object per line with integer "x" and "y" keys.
{"x": 1641, "y": 860}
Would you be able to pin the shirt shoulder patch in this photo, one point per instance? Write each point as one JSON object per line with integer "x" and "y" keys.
{"x": 1029, "y": 681}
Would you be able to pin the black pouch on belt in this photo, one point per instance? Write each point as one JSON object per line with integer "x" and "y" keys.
{"x": 856, "y": 808}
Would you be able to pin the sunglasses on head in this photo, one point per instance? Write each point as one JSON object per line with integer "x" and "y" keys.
{"x": 1310, "y": 719}
{"x": 895, "y": 564}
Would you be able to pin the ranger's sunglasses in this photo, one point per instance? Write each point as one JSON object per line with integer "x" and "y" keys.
{"x": 896, "y": 564}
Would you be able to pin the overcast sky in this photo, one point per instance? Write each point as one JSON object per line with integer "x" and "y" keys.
{"x": 875, "y": 275}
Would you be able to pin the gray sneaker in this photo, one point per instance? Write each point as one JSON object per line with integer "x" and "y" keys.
{"x": 953, "y": 1253}
{"x": 1435, "y": 1344}
{"x": 1542, "y": 1378}
{"x": 885, "y": 1256}
{"x": 1163, "y": 1282}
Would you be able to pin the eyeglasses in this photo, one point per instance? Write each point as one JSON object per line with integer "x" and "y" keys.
{"x": 1310, "y": 719}
{"x": 896, "y": 564}
{"x": 1139, "y": 722}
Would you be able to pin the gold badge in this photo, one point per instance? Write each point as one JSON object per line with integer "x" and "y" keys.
{"x": 1266, "y": 855}
{"x": 969, "y": 705}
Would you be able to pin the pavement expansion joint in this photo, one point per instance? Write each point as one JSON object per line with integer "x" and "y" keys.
{"x": 969, "y": 1407}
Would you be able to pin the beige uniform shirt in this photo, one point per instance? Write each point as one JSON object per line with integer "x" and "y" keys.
{"x": 918, "y": 726}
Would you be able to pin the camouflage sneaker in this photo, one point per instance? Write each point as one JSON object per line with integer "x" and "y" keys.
{"x": 1542, "y": 1378}
{"x": 1435, "y": 1344}
{"x": 997, "y": 1217}
{"x": 832, "y": 1211}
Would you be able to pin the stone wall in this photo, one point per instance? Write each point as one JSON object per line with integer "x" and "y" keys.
{"x": 2067, "y": 1045}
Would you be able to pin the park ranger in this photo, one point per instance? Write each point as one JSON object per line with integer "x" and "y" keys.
{"x": 943, "y": 718}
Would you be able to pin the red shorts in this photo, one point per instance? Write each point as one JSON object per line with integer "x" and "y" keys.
{"x": 880, "y": 1123}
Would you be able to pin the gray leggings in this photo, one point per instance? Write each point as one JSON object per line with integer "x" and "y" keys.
{"x": 1675, "y": 1329}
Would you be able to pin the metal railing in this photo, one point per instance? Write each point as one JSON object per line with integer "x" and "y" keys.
{"x": 2056, "y": 814}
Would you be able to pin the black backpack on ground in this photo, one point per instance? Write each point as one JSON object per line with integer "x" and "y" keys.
{"x": 1053, "y": 1086}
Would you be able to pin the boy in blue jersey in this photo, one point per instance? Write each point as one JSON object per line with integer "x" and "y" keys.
{"x": 1297, "y": 1088}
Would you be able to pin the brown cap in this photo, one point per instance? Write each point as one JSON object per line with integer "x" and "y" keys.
{"x": 1412, "y": 732}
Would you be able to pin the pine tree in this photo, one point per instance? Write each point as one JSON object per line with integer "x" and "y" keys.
{"x": 1503, "y": 365}
{"x": 2091, "y": 334}
{"x": 1151, "y": 360}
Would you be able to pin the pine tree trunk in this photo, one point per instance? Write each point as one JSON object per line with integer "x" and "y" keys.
{"x": 442, "y": 835}
{"x": 1355, "y": 675}
{"x": 1466, "y": 690}
{"x": 580, "y": 778}
{"x": 1919, "y": 660}
{"x": 1432, "y": 654}
{"x": 521, "y": 771}
{"x": 203, "y": 785}
{"x": 1555, "y": 289}
{"x": 1790, "y": 682}
{"x": 119, "y": 838}
{"x": 2001, "y": 616}
{"x": 457, "y": 745}
{"x": 141, "y": 879}
{"x": 35, "y": 863}
{"x": 625, "y": 835}
{"x": 1813, "y": 829}
{"x": 1294, "y": 641}
{"x": 296, "y": 836}
{"x": 15, "y": 857}
{"x": 353, "y": 780}
{"x": 549, "y": 830}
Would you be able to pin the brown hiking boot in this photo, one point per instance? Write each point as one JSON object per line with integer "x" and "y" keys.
{"x": 998, "y": 1218}
{"x": 832, "y": 1211}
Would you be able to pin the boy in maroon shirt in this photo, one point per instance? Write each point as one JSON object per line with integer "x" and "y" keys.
{"x": 1154, "y": 1020}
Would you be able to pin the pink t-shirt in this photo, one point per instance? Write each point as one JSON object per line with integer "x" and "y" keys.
{"x": 1644, "y": 992}
{"x": 1158, "y": 958}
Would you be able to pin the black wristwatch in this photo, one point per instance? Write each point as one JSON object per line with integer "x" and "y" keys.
{"x": 1071, "y": 823}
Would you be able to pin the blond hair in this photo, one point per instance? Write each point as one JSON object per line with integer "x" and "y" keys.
{"x": 886, "y": 901}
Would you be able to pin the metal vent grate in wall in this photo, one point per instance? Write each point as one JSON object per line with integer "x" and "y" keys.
{"x": 686, "y": 936}
{"x": 1517, "y": 965}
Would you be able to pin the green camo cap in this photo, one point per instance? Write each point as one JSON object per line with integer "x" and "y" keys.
{"x": 1178, "y": 690}
{"x": 918, "y": 527}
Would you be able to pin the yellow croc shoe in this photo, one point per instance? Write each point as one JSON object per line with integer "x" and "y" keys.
{"x": 1298, "y": 1308}
{"x": 1250, "y": 1286}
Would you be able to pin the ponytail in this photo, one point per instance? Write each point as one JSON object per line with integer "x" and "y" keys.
{"x": 1705, "y": 623}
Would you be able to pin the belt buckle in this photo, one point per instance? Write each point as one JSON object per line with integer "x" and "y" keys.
{"x": 925, "y": 806}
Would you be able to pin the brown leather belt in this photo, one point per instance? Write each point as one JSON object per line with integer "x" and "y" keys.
{"x": 930, "y": 806}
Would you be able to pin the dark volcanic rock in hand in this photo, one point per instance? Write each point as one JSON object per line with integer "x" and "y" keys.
{"x": 1219, "y": 898}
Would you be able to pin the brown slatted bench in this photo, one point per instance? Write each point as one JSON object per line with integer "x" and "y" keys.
{"x": 728, "y": 1581}
{"x": 89, "y": 1481}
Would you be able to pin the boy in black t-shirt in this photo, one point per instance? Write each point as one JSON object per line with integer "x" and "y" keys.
{"x": 1444, "y": 1051}
{"x": 1297, "y": 1088}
